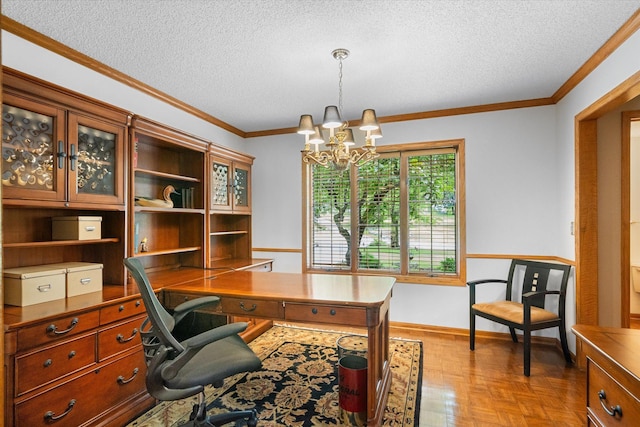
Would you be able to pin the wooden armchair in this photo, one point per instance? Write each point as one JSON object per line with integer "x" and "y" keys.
{"x": 532, "y": 277}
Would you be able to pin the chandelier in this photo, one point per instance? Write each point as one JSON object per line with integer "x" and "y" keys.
{"x": 339, "y": 154}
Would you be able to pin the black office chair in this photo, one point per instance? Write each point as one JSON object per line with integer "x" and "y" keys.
{"x": 530, "y": 314}
{"x": 176, "y": 370}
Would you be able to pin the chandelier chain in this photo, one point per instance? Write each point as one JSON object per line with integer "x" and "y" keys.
{"x": 340, "y": 87}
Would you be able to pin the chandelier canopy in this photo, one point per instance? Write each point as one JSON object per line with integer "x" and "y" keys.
{"x": 339, "y": 155}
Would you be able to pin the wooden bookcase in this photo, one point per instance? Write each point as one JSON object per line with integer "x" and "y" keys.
{"x": 167, "y": 236}
{"x": 144, "y": 158}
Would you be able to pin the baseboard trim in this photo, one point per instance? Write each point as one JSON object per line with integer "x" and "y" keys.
{"x": 398, "y": 327}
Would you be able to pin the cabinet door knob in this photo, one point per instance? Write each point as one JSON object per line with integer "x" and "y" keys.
{"x": 61, "y": 154}
{"x": 73, "y": 157}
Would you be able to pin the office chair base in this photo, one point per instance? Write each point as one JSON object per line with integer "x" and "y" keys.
{"x": 242, "y": 418}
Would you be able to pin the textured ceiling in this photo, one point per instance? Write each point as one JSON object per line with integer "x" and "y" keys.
{"x": 259, "y": 64}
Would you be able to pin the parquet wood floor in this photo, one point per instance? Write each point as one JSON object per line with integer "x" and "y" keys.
{"x": 486, "y": 387}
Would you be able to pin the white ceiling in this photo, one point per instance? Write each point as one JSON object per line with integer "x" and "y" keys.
{"x": 259, "y": 64}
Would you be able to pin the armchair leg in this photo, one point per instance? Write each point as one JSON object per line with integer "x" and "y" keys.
{"x": 514, "y": 337}
{"x": 472, "y": 332}
{"x": 565, "y": 347}
{"x": 527, "y": 352}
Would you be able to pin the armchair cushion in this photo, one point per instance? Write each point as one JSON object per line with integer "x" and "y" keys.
{"x": 514, "y": 311}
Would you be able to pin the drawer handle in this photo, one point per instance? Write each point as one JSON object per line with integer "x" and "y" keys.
{"x": 121, "y": 339}
{"x": 85, "y": 281}
{"x": 121, "y": 308}
{"x": 51, "y": 416}
{"x": 314, "y": 310}
{"x": 53, "y": 329}
{"x": 122, "y": 381}
{"x": 48, "y": 363}
{"x": 332, "y": 312}
{"x": 611, "y": 411}
{"x": 248, "y": 310}
{"x": 72, "y": 354}
{"x": 44, "y": 288}
{"x": 90, "y": 228}
{"x": 138, "y": 303}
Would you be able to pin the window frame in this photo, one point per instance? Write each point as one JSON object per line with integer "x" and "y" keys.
{"x": 458, "y": 145}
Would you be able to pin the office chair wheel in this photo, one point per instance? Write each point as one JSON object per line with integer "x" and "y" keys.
{"x": 253, "y": 419}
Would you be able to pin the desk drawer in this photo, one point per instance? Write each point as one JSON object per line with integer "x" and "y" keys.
{"x": 599, "y": 381}
{"x": 57, "y": 329}
{"x": 121, "y": 311}
{"x": 174, "y": 299}
{"x": 43, "y": 366}
{"x": 253, "y": 307}
{"x": 118, "y": 338}
{"x": 354, "y": 316}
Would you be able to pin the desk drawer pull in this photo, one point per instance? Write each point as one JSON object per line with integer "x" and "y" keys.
{"x": 51, "y": 416}
{"x": 611, "y": 411}
{"x": 52, "y": 328}
{"x": 122, "y": 339}
{"x": 314, "y": 310}
{"x": 248, "y": 310}
{"x": 122, "y": 381}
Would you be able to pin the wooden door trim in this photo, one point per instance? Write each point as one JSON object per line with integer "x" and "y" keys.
{"x": 586, "y": 196}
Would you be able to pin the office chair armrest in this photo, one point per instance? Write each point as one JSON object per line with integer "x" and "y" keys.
{"x": 483, "y": 281}
{"x": 193, "y": 345}
{"x": 214, "y": 334}
{"x": 181, "y": 310}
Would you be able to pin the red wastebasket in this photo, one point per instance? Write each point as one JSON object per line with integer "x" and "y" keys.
{"x": 352, "y": 385}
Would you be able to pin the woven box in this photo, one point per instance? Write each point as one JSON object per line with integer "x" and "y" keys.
{"x": 33, "y": 285}
{"x": 77, "y": 227}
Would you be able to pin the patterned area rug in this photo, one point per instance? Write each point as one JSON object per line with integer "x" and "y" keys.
{"x": 298, "y": 384}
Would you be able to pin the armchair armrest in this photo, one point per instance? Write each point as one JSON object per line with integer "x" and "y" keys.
{"x": 472, "y": 287}
{"x": 483, "y": 281}
{"x": 532, "y": 294}
{"x": 181, "y": 310}
{"x": 194, "y": 344}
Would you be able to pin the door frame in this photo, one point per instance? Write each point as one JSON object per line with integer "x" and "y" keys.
{"x": 586, "y": 201}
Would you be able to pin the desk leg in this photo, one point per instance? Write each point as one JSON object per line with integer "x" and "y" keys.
{"x": 379, "y": 371}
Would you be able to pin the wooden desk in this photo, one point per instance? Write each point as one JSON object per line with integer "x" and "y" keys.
{"x": 613, "y": 374}
{"x": 349, "y": 300}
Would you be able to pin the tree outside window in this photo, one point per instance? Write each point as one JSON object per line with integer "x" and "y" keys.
{"x": 401, "y": 214}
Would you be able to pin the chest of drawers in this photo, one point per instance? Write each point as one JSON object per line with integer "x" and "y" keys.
{"x": 80, "y": 369}
{"x": 613, "y": 374}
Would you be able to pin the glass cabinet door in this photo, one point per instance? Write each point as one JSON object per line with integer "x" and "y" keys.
{"x": 95, "y": 160}
{"x": 240, "y": 187}
{"x": 220, "y": 184}
{"x": 33, "y": 150}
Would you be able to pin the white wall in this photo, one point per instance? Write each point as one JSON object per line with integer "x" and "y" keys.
{"x": 511, "y": 200}
{"x": 519, "y": 173}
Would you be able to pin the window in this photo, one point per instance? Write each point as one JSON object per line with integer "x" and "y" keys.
{"x": 403, "y": 212}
